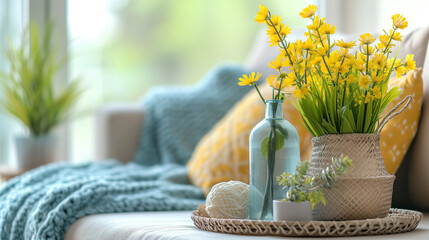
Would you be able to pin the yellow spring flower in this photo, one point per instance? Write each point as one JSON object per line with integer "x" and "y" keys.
{"x": 327, "y": 29}
{"x": 351, "y": 78}
{"x": 399, "y": 71}
{"x": 308, "y": 12}
{"x": 361, "y": 57}
{"x": 364, "y": 81}
{"x": 276, "y": 20}
{"x": 249, "y": 79}
{"x": 281, "y": 28}
{"x": 276, "y": 64}
{"x": 342, "y": 68}
{"x": 360, "y": 65}
{"x": 350, "y": 59}
{"x": 315, "y": 61}
{"x": 284, "y": 30}
{"x": 274, "y": 40}
{"x": 343, "y": 44}
{"x": 335, "y": 57}
{"x": 297, "y": 46}
{"x": 262, "y": 15}
{"x": 316, "y": 23}
{"x": 399, "y": 68}
{"x": 301, "y": 92}
{"x": 366, "y": 38}
{"x": 367, "y": 98}
{"x": 399, "y": 21}
{"x": 274, "y": 82}
{"x": 290, "y": 78}
{"x": 374, "y": 78}
{"x": 382, "y": 47}
{"x": 322, "y": 50}
{"x": 390, "y": 62}
{"x": 282, "y": 53}
{"x": 384, "y": 40}
{"x": 396, "y": 36}
{"x": 286, "y": 62}
{"x": 302, "y": 68}
{"x": 368, "y": 50}
{"x": 308, "y": 45}
{"x": 376, "y": 92}
{"x": 409, "y": 62}
{"x": 379, "y": 61}
{"x": 271, "y": 32}
{"x": 344, "y": 52}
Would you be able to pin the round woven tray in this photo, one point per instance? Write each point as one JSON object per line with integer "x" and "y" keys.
{"x": 397, "y": 221}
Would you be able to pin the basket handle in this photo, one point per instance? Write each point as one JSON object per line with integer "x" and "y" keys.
{"x": 392, "y": 112}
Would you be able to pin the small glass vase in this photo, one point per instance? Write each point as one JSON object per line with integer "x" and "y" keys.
{"x": 274, "y": 149}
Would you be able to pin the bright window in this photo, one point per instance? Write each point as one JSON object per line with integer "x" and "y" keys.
{"x": 122, "y": 48}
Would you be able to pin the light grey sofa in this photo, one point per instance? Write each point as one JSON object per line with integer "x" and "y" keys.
{"x": 118, "y": 128}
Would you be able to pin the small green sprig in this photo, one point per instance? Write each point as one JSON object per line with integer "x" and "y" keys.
{"x": 301, "y": 187}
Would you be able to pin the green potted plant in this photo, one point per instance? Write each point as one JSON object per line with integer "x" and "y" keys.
{"x": 304, "y": 191}
{"x": 341, "y": 94}
{"x": 30, "y": 96}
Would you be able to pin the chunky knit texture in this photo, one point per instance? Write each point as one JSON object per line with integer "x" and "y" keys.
{"x": 185, "y": 115}
{"x": 43, "y": 203}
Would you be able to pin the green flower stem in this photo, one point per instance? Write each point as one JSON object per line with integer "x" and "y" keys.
{"x": 387, "y": 48}
{"x": 364, "y": 115}
{"x": 367, "y": 58}
{"x": 268, "y": 194}
{"x": 260, "y": 95}
{"x": 324, "y": 61}
{"x": 305, "y": 68}
{"x": 323, "y": 57}
{"x": 390, "y": 40}
{"x": 280, "y": 87}
{"x": 320, "y": 37}
{"x": 338, "y": 74}
{"x": 344, "y": 93}
{"x": 282, "y": 42}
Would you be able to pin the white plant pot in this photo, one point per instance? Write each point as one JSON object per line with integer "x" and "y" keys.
{"x": 35, "y": 151}
{"x": 291, "y": 211}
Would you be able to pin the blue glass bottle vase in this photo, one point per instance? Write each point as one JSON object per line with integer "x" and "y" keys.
{"x": 274, "y": 149}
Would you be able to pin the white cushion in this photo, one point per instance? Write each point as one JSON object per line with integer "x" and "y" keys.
{"x": 177, "y": 226}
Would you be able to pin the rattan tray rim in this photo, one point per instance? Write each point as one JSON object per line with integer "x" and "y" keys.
{"x": 398, "y": 221}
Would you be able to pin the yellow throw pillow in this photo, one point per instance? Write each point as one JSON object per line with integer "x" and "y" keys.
{"x": 223, "y": 153}
{"x": 399, "y": 132}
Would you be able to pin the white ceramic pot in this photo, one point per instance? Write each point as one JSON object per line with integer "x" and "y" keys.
{"x": 35, "y": 151}
{"x": 291, "y": 211}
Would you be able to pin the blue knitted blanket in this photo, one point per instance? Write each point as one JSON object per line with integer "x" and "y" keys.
{"x": 43, "y": 203}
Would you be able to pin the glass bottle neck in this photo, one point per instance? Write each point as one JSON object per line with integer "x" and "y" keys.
{"x": 273, "y": 109}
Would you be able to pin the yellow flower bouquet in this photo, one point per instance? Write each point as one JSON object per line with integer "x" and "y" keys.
{"x": 336, "y": 91}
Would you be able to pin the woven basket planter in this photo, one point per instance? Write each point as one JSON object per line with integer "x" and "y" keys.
{"x": 366, "y": 190}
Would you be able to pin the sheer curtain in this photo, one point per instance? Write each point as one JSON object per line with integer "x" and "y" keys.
{"x": 12, "y": 20}
{"x": 14, "y": 17}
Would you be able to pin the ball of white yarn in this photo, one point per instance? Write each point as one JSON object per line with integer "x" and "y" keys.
{"x": 228, "y": 200}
